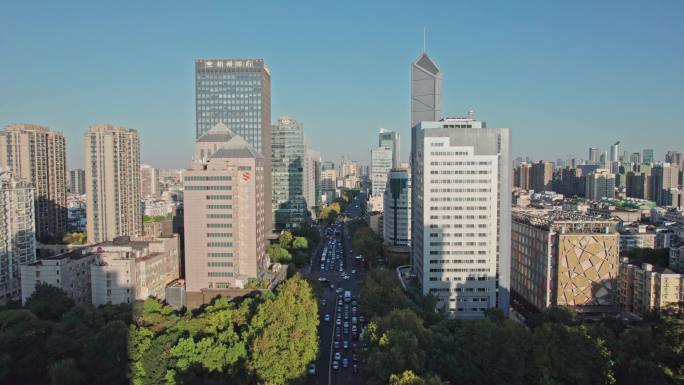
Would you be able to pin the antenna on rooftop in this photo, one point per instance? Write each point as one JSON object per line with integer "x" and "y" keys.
{"x": 424, "y": 38}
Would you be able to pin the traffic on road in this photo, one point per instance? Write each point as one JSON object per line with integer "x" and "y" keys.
{"x": 342, "y": 322}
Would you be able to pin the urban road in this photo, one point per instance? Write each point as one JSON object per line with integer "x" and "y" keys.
{"x": 325, "y": 374}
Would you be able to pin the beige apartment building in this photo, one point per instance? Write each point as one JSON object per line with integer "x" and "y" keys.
{"x": 112, "y": 172}
{"x": 149, "y": 181}
{"x": 126, "y": 270}
{"x": 224, "y": 212}
{"x": 69, "y": 271}
{"x": 564, "y": 258}
{"x": 649, "y": 288}
{"x": 38, "y": 155}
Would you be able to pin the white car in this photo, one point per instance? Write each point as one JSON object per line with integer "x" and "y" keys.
{"x": 327, "y": 318}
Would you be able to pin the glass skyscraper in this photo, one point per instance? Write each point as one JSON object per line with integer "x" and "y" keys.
{"x": 288, "y": 153}
{"x": 237, "y": 93}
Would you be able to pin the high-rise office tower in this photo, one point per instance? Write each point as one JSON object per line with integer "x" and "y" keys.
{"x": 390, "y": 139}
{"x": 312, "y": 178}
{"x": 77, "y": 181}
{"x": 225, "y": 206}
{"x": 674, "y": 158}
{"x": 648, "y": 155}
{"x": 600, "y": 184}
{"x": 17, "y": 233}
{"x": 461, "y": 200}
{"x": 426, "y": 90}
{"x": 149, "y": 181}
{"x": 113, "y": 182}
{"x": 397, "y": 208}
{"x": 593, "y": 155}
{"x": 381, "y": 164}
{"x": 542, "y": 176}
{"x": 635, "y": 158}
{"x": 638, "y": 185}
{"x": 237, "y": 92}
{"x": 523, "y": 176}
{"x": 38, "y": 155}
{"x": 663, "y": 178}
{"x": 615, "y": 152}
{"x": 288, "y": 152}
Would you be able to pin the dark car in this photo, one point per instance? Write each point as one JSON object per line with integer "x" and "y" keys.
{"x": 355, "y": 368}
{"x": 335, "y": 365}
{"x": 345, "y": 362}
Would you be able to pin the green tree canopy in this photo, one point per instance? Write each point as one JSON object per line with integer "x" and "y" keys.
{"x": 279, "y": 254}
{"x": 283, "y": 334}
{"x": 49, "y": 302}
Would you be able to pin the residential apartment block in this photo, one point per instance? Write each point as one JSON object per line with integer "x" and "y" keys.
{"x": 38, "y": 155}
{"x": 650, "y": 289}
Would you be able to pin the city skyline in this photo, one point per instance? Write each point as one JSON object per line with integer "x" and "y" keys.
{"x": 537, "y": 74}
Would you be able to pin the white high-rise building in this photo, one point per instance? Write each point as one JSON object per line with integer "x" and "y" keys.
{"x": 149, "y": 181}
{"x": 17, "y": 233}
{"x": 461, "y": 213}
{"x": 390, "y": 139}
{"x": 381, "y": 164}
{"x": 397, "y": 214}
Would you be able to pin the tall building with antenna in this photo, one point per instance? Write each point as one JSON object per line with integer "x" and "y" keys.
{"x": 426, "y": 90}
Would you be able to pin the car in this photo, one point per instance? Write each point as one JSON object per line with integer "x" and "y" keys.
{"x": 322, "y": 279}
{"x": 354, "y": 329}
{"x": 355, "y": 368}
{"x": 353, "y": 271}
{"x": 324, "y": 302}
{"x": 345, "y": 330}
{"x": 338, "y": 322}
{"x": 355, "y": 358}
{"x": 336, "y": 345}
{"x": 338, "y": 337}
{"x": 346, "y": 324}
{"x": 312, "y": 369}
{"x": 345, "y": 362}
{"x": 345, "y": 344}
{"x": 346, "y": 278}
{"x": 337, "y": 356}
{"x": 354, "y": 320}
{"x": 326, "y": 318}
{"x": 341, "y": 269}
{"x": 361, "y": 319}
{"x": 339, "y": 290}
{"x": 322, "y": 266}
{"x": 332, "y": 286}
{"x": 354, "y": 303}
{"x": 339, "y": 302}
{"x": 335, "y": 365}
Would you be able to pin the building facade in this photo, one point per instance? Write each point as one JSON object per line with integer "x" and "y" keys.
{"x": 149, "y": 181}
{"x": 312, "y": 179}
{"x": 113, "y": 189}
{"x": 663, "y": 178}
{"x": 426, "y": 90}
{"x": 563, "y": 258}
{"x": 69, "y": 271}
{"x": 17, "y": 233}
{"x": 381, "y": 164}
{"x": 461, "y": 205}
{"x": 541, "y": 176}
{"x": 237, "y": 93}
{"x": 224, "y": 213}
{"x": 77, "y": 181}
{"x": 287, "y": 173}
{"x": 126, "y": 270}
{"x": 38, "y": 155}
{"x": 600, "y": 184}
{"x": 390, "y": 139}
{"x": 650, "y": 289}
{"x": 397, "y": 215}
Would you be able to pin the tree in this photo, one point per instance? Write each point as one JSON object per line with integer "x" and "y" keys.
{"x": 283, "y": 334}
{"x": 300, "y": 243}
{"x": 410, "y": 378}
{"x": 23, "y": 359}
{"x": 278, "y": 254}
{"x": 49, "y": 302}
{"x": 285, "y": 239}
{"x": 381, "y": 293}
{"x": 65, "y": 372}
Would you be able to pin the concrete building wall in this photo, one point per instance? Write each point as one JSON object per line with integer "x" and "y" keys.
{"x": 69, "y": 272}
{"x": 397, "y": 202}
{"x": 649, "y": 289}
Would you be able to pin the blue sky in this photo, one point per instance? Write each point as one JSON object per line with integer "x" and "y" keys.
{"x": 562, "y": 75}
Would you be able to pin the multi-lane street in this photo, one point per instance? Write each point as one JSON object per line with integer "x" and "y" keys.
{"x": 342, "y": 322}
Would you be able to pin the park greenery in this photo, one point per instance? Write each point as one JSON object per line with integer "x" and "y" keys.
{"x": 157, "y": 218}
{"x": 365, "y": 241}
{"x": 409, "y": 344}
{"x": 75, "y": 238}
{"x": 294, "y": 246}
{"x": 266, "y": 339}
{"x": 330, "y": 212}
